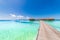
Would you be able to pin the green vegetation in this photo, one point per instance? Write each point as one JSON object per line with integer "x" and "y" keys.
{"x": 32, "y": 19}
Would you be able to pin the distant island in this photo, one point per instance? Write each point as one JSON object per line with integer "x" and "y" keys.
{"x": 48, "y": 19}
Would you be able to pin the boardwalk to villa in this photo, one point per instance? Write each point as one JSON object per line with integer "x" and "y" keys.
{"x": 46, "y": 32}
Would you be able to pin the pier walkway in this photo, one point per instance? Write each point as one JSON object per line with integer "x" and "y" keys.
{"x": 46, "y": 32}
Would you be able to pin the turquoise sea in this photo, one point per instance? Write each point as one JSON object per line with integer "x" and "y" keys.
{"x": 54, "y": 24}
{"x": 21, "y": 30}
{"x": 16, "y": 30}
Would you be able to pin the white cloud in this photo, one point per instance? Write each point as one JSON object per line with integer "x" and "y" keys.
{"x": 27, "y": 17}
{"x": 20, "y": 17}
{"x": 12, "y": 15}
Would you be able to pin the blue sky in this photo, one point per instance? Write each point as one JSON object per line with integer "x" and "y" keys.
{"x": 31, "y": 8}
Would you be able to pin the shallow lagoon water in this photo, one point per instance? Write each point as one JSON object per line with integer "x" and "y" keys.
{"x": 11, "y": 30}
{"x": 54, "y": 24}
